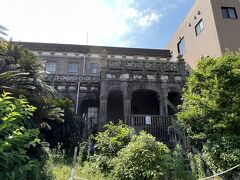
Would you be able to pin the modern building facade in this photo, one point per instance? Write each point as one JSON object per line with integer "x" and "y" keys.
{"x": 139, "y": 86}
{"x": 209, "y": 29}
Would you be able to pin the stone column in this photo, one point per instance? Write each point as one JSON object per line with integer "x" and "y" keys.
{"x": 102, "y": 112}
{"x": 126, "y": 107}
{"x": 163, "y": 107}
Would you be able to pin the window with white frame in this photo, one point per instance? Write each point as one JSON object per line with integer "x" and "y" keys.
{"x": 94, "y": 68}
{"x": 51, "y": 67}
{"x": 72, "y": 67}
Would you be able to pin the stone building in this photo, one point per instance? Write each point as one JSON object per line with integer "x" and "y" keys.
{"x": 139, "y": 86}
{"x": 209, "y": 29}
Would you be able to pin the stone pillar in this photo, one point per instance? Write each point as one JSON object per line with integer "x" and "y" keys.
{"x": 163, "y": 107}
{"x": 102, "y": 112}
{"x": 126, "y": 107}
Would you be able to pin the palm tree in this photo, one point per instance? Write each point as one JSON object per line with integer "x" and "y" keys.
{"x": 3, "y": 32}
{"x": 22, "y": 74}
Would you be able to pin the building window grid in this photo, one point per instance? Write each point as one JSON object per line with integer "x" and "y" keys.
{"x": 199, "y": 27}
{"x": 51, "y": 67}
{"x": 229, "y": 13}
{"x": 94, "y": 68}
{"x": 181, "y": 46}
{"x": 72, "y": 67}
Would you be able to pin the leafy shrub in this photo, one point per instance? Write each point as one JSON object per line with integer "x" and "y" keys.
{"x": 178, "y": 164}
{"x": 114, "y": 138}
{"x": 222, "y": 152}
{"x": 15, "y": 138}
{"x": 108, "y": 143}
{"x": 143, "y": 158}
{"x": 197, "y": 165}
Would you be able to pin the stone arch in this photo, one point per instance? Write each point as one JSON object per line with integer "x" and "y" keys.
{"x": 145, "y": 102}
{"x": 115, "y": 106}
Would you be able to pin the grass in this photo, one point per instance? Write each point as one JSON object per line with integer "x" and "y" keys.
{"x": 63, "y": 171}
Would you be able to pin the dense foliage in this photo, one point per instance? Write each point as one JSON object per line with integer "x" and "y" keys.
{"x": 113, "y": 139}
{"x": 15, "y": 138}
{"x": 108, "y": 143}
{"x": 211, "y": 110}
{"x": 68, "y": 132}
{"x": 143, "y": 158}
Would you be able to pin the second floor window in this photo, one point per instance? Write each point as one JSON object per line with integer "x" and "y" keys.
{"x": 181, "y": 46}
{"x": 229, "y": 13}
{"x": 51, "y": 67}
{"x": 199, "y": 27}
{"x": 72, "y": 67}
{"x": 94, "y": 68}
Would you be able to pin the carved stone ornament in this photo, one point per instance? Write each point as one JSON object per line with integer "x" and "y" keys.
{"x": 72, "y": 78}
{"x": 164, "y": 78}
{"x": 110, "y": 76}
{"x": 124, "y": 76}
{"x": 139, "y": 65}
{"x": 151, "y": 77}
{"x": 177, "y": 78}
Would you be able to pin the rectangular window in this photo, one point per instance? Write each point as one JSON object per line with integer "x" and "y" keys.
{"x": 93, "y": 114}
{"x": 181, "y": 46}
{"x": 199, "y": 27}
{"x": 229, "y": 13}
{"x": 51, "y": 67}
{"x": 72, "y": 67}
{"x": 94, "y": 68}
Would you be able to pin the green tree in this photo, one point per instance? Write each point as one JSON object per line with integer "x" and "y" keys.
{"x": 23, "y": 74}
{"x": 15, "y": 138}
{"x": 211, "y": 109}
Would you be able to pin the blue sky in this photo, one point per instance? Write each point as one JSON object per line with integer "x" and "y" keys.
{"x": 129, "y": 23}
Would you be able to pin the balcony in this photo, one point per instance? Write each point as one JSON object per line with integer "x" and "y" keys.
{"x": 152, "y": 124}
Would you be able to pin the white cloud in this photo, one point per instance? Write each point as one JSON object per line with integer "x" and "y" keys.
{"x": 148, "y": 19}
{"x": 68, "y": 21}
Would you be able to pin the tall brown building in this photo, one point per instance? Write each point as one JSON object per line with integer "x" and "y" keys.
{"x": 209, "y": 29}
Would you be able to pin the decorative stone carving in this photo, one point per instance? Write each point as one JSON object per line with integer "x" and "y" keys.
{"x": 177, "y": 78}
{"x": 94, "y": 88}
{"x": 137, "y": 77}
{"x": 110, "y": 76}
{"x": 72, "y": 78}
{"x": 149, "y": 65}
{"x": 113, "y": 64}
{"x": 151, "y": 77}
{"x": 83, "y": 88}
{"x": 164, "y": 78}
{"x": 124, "y": 76}
{"x": 134, "y": 65}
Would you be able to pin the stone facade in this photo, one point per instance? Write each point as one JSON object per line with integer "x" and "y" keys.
{"x": 126, "y": 86}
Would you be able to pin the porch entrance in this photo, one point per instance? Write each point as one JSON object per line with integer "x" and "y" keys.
{"x": 145, "y": 102}
{"x": 115, "y": 106}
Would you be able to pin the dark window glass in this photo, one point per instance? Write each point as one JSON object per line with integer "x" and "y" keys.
{"x": 73, "y": 68}
{"x": 51, "y": 67}
{"x": 93, "y": 114}
{"x": 94, "y": 68}
{"x": 199, "y": 27}
{"x": 181, "y": 46}
{"x": 229, "y": 13}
